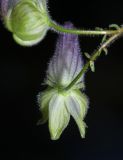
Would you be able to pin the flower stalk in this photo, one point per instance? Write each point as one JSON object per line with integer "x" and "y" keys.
{"x": 61, "y": 29}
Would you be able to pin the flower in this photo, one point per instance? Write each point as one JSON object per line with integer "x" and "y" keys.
{"x": 56, "y": 103}
{"x": 27, "y": 20}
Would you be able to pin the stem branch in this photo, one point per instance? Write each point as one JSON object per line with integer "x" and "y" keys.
{"x": 61, "y": 29}
{"x": 93, "y": 57}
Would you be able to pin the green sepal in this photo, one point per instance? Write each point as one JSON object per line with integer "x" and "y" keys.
{"x": 43, "y": 101}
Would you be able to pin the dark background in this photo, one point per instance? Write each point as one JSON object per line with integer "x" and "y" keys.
{"x": 22, "y": 71}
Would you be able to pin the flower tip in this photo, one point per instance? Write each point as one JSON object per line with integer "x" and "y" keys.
{"x": 83, "y": 130}
{"x": 83, "y": 135}
{"x": 55, "y": 136}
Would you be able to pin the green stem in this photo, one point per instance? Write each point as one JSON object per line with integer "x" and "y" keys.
{"x": 59, "y": 28}
{"x": 93, "y": 57}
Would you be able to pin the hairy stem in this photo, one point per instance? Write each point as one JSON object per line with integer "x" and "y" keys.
{"x": 93, "y": 57}
{"x": 61, "y": 29}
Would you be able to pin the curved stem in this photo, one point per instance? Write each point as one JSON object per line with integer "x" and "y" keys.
{"x": 93, "y": 57}
{"x": 61, "y": 29}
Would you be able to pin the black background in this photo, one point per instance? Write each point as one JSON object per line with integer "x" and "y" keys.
{"x": 22, "y": 71}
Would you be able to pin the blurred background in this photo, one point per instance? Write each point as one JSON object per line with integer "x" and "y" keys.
{"x": 22, "y": 70}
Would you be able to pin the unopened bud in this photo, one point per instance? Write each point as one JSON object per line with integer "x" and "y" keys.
{"x": 26, "y": 19}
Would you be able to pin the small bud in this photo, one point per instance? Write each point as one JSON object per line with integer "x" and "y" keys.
{"x": 56, "y": 103}
{"x": 92, "y": 66}
{"x": 26, "y": 19}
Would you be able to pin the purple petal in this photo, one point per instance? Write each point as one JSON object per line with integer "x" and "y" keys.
{"x": 67, "y": 60}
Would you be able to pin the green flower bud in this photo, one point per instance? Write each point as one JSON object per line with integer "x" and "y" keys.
{"x": 28, "y": 21}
